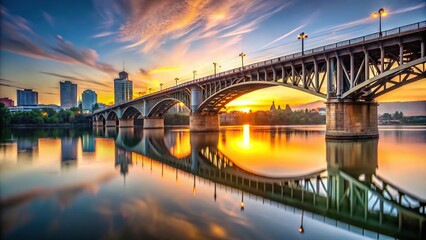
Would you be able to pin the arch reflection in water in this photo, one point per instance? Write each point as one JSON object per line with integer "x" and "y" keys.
{"x": 348, "y": 190}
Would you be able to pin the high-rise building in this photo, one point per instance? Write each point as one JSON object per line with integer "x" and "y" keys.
{"x": 90, "y": 98}
{"x": 27, "y": 97}
{"x": 68, "y": 94}
{"x": 123, "y": 88}
{"x": 7, "y": 102}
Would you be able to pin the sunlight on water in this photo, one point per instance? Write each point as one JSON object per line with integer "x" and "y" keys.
{"x": 162, "y": 178}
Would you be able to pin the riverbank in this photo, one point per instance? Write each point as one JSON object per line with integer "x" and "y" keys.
{"x": 59, "y": 125}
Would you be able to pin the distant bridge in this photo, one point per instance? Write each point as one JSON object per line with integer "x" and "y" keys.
{"x": 348, "y": 190}
{"x": 348, "y": 74}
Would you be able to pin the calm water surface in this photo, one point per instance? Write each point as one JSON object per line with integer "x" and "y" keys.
{"x": 245, "y": 182}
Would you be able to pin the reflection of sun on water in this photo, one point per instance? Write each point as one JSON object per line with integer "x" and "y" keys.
{"x": 273, "y": 152}
{"x": 182, "y": 146}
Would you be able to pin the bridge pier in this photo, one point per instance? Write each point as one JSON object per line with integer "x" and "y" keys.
{"x": 351, "y": 119}
{"x": 111, "y": 123}
{"x": 153, "y": 123}
{"x": 203, "y": 123}
{"x": 126, "y": 122}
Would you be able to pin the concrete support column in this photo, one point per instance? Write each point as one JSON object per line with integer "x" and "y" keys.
{"x": 196, "y": 98}
{"x": 351, "y": 120}
{"x": 149, "y": 123}
{"x": 111, "y": 123}
{"x": 126, "y": 122}
{"x": 203, "y": 123}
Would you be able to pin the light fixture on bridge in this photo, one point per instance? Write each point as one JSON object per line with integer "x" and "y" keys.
{"x": 302, "y": 36}
{"x": 149, "y": 90}
{"x": 215, "y": 64}
{"x": 381, "y": 12}
{"x": 176, "y": 80}
{"x": 193, "y": 74}
{"x": 242, "y": 55}
{"x": 161, "y": 86}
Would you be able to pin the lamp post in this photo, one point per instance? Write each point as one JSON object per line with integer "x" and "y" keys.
{"x": 193, "y": 74}
{"x": 161, "y": 86}
{"x": 214, "y": 64}
{"x": 242, "y": 55}
{"x": 176, "y": 80}
{"x": 302, "y": 36}
{"x": 381, "y": 12}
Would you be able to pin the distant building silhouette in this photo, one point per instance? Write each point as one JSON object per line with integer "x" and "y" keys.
{"x": 27, "y": 97}
{"x": 7, "y": 102}
{"x": 288, "y": 108}
{"x": 272, "y": 108}
{"x": 89, "y": 98}
{"x": 123, "y": 88}
{"x": 68, "y": 94}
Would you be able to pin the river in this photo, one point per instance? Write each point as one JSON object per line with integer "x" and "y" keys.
{"x": 244, "y": 182}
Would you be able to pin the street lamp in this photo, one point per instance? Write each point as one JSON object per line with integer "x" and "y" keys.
{"x": 149, "y": 90}
{"x": 302, "y": 36}
{"x": 381, "y": 12}
{"x": 242, "y": 55}
{"x": 176, "y": 79}
{"x": 161, "y": 86}
{"x": 193, "y": 74}
{"x": 215, "y": 64}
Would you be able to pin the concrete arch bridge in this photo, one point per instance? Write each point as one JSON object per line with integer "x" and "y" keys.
{"x": 349, "y": 75}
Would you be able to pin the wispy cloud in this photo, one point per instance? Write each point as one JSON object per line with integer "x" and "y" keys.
{"x": 8, "y": 83}
{"x": 49, "y": 18}
{"x": 408, "y": 9}
{"x": 285, "y": 35}
{"x": 18, "y": 37}
{"x": 150, "y": 24}
{"x": 103, "y": 34}
{"x": 85, "y": 80}
{"x": 362, "y": 21}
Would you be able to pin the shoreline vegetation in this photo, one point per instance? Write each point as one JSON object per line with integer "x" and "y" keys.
{"x": 73, "y": 118}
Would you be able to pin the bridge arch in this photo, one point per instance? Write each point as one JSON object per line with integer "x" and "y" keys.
{"x": 100, "y": 118}
{"x": 161, "y": 107}
{"x": 131, "y": 112}
{"x": 111, "y": 115}
{"x": 219, "y": 99}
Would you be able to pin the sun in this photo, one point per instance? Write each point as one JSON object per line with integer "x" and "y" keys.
{"x": 244, "y": 110}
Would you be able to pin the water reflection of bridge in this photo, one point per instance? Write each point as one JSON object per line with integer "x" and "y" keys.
{"x": 348, "y": 190}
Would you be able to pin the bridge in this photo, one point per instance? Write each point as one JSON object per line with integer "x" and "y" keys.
{"x": 349, "y": 75}
{"x": 348, "y": 190}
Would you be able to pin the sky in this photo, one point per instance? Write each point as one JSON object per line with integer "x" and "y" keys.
{"x": 86, "y": 41}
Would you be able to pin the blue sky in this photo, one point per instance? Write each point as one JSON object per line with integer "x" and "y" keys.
{"x": 44, "y": 42}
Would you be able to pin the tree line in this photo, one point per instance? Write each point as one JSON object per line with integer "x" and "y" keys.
{"x": 43, "y": 116}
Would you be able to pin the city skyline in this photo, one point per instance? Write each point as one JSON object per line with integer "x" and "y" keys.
{"x": 198, "y": 35}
